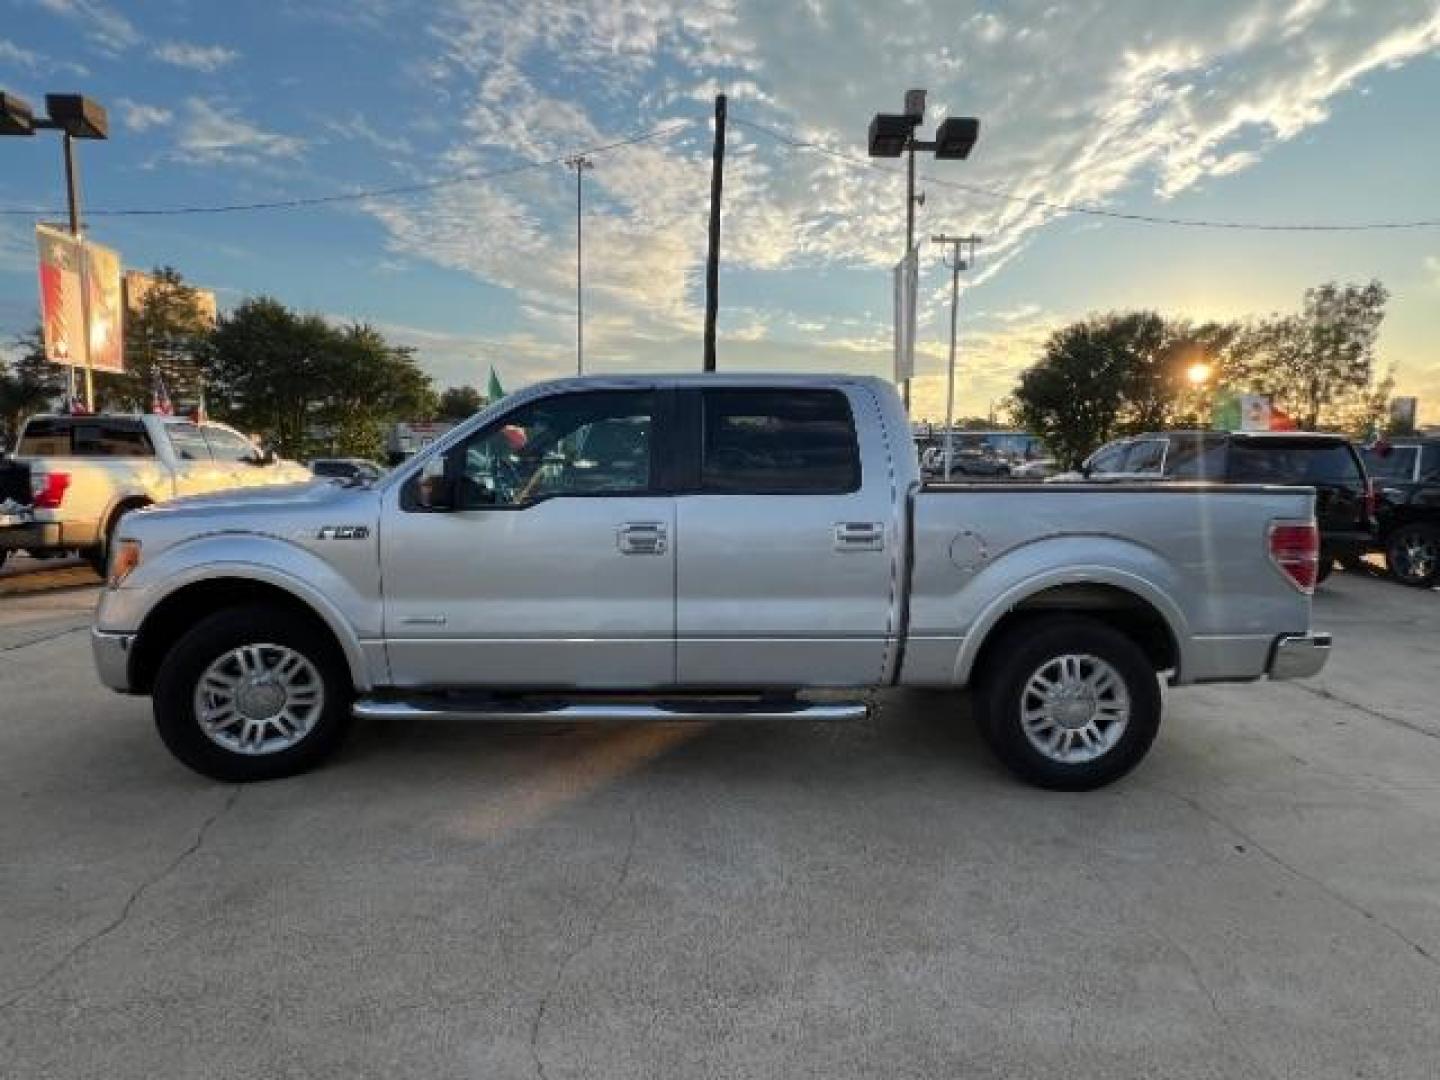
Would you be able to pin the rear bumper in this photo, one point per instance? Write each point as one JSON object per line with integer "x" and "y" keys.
{"x": 112, "y": 658}
{"x": 1298, "y": 656}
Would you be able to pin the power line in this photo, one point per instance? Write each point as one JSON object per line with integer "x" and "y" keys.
{"x": 1080, "y": 208}
{"x": 359, "y": 196}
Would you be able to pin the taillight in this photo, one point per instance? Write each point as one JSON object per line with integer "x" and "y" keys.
{"x": 1295, "y": 549}
{"x": 50, "y": 490}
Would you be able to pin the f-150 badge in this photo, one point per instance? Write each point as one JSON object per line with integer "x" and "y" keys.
{"x": 343, "y": 532}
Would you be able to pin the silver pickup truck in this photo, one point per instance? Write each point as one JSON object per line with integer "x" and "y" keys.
{"x": 698, "y": 547}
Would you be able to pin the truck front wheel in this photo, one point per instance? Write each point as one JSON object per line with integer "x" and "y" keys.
{"x": 1413, "y": 555}
{"x": 1068, "y": 703}
{"x": 252, "y": 693}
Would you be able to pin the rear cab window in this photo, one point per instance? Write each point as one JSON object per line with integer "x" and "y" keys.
{"x": 93, "y": 437}
{"x": 778, "y": 441}
{"x": 1397, "y": 463}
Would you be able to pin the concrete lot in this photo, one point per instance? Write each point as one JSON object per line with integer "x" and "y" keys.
{"x": 1262, "y": 899}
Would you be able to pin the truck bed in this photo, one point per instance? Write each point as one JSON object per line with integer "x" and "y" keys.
{"x": 1196, "y": 552}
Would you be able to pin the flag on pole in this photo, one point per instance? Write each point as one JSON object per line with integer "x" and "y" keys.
{"x": 494, "y": 391}
{"x": 160, "y": 403}
{"x": 199, "y": 414}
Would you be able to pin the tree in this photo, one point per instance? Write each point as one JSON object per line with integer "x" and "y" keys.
{"x": 307, "y": 385}
{"x": 1319, "y": 365}
{"x": 459, "y": 403}
{"x": 1098, "y": 378}
{"x": 166, "y": 334}
{"x": 28, "y": 384}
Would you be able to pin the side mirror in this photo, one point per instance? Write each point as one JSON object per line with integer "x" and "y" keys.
{"x": 434, "y": 492}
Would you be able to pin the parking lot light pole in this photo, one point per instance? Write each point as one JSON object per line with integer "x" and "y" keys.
{"x": 957, "y": 262}
{"x": 75, "y": 117}
{"x": 893, "y": 134}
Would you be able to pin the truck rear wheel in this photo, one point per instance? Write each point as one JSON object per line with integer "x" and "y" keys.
{"x": 252, "y": 694}
{"x": 1068, "y": 703}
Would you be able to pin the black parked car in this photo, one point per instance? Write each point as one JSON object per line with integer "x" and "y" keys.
{"x": 1344, "y": 499}
{"x": 1407, "y": 473}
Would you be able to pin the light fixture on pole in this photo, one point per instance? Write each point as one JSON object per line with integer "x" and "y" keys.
{"x": 893, "y": 134}
{"x": 579, "y": 163}
{"x": 75, "y": 116}
{"x": 962, "y": 255}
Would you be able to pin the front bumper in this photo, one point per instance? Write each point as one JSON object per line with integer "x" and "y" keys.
{"x": 1298, "y": 656}
{"x": 112, "y": 658}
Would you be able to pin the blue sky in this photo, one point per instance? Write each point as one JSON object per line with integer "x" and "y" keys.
{"x": 1230, "y": 110}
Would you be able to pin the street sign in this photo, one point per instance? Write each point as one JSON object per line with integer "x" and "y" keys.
{"x": 907, "y": 287}
{"x": 81, "y": 309}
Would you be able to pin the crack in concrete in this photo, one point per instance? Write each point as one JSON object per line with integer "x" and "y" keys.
{"x": 1339, "y": 898}
{"x": 46, "y": 637}
{"x": 600, "y": 916}
{"x": 134, "y": 898}
{"x": 1326, "y": 694}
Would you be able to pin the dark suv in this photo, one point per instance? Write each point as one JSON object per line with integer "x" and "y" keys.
{"x": 1407, "y": 473}
{"x": 1344, "y": 500}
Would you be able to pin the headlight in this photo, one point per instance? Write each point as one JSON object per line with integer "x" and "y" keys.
{"x": 124, "y": 559}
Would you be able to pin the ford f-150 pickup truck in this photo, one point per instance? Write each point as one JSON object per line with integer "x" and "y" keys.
{"x": 74, "y": 477}
{"x": 702, "y": 547}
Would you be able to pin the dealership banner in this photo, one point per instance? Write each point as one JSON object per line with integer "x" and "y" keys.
{"x": 80, "y": 301}
{"x": 907, "y": 287}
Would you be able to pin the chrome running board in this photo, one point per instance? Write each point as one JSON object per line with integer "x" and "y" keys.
{"x": 568, "y": 711}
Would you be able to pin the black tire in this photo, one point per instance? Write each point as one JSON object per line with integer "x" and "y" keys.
{"x": 4, "y": 555}
{"x": 1351, "y": 563}
{"x": 1023, "y": 653}
{"x": 210, "y": 639}
{"x": 1324, "y": 569}
{"x": 1413, "y": 555}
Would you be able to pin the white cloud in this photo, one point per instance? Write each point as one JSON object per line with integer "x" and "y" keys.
{"x": 356, "y": 128}
{"x": 186, "y": 54}
{"x": 137, "y": 116}
{"x": 107, "y": 29}
{"x": 214, "y": 134}
{"x": 1082, "y": 101}
{"x": 36, "y": 62}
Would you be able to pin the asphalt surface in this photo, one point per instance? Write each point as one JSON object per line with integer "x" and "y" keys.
{"x": 1261, "y": 899}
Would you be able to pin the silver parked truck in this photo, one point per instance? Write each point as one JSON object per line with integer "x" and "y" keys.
{"x": 698, "y": 547}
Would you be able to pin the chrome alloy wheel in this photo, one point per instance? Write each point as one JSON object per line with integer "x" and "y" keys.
{"x": 1074, "y": 708}
{"x": 259, "y": 699}
{"x": 1418, "y": 555}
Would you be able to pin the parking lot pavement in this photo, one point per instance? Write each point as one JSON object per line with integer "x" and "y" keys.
{"x": 1261, "y": 899}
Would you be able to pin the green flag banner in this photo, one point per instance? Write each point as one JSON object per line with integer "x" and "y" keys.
{"x": 494, "y": 391}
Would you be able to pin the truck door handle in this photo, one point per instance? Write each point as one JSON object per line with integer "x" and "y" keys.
{"x": 641, "y": 538}
{"x": 859, "y": 536}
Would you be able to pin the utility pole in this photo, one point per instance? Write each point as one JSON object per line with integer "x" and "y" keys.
{"x": 712, "y": 261}
{"x": 579, "y": 163}
{"x": 962, "y": 254}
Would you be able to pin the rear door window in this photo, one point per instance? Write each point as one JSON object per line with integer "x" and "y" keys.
{"x": 1108, "y": 459}
{"x": 778, "y": 441}
{"x": 1194, "y": 457}
{"x": 1270, "y": 461}
{"x": 1395, "y": 463}
{"x": 110, "y": 438}
{"x": 1430, "y": 464}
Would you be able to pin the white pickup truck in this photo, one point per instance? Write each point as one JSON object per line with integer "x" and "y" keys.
{"x": 698, "y": 547}
{"x": 72, "y": 478}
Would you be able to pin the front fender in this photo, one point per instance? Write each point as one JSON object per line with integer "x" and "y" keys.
{"x": 351, "y": 612}
{"x": 1030, "y": 569}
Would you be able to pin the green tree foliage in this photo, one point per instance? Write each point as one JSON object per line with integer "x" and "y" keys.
{"x": 459, "y": 403}
{"x": 1319, "y": 365}
{"x": 1099, "y": 378}
{"x": 310, "y": 386}
{"x": 1127, "y": 372}
{"x": 167, "y": 335}
{"x": 28, "y": 384}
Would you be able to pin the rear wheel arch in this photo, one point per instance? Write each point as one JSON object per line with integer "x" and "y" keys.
{"x": 174, "y": 615}
{"x": 1125, "y": 610}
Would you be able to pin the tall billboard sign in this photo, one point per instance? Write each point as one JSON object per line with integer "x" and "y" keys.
{"x": 81, "y": 305}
